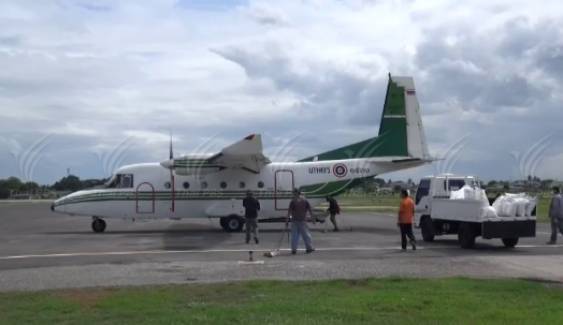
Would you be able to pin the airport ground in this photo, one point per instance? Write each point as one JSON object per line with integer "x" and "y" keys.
{"x": 41, "y": 250}
{"x": 196, "y": 265}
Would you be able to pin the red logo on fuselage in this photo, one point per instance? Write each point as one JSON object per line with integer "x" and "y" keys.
{"x": 339, "y": 170}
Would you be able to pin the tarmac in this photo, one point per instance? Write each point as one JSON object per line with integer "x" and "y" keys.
{"x": 40, "y": 250}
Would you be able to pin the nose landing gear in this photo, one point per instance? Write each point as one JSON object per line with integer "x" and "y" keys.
{"x": 98, "y": 225}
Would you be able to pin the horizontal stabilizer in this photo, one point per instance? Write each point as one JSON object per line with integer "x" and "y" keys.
{"x": 245, "y": 154}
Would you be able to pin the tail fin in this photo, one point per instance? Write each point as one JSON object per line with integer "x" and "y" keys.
{"x": 400, "y": 133}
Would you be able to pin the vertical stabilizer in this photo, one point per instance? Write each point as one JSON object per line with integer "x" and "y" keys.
{"x": 416, "y": 139}
{"x": 401, "y": 134}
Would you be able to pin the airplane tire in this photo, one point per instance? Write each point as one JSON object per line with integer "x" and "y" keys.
{"x": 510, "y": 242}
{"x": 466, "y": 236}
{"x": 232, "y": 223}
{"x": 427, "y": 229}
{"x": 98, "y": 225}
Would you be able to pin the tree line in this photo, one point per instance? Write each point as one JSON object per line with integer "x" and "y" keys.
{"x": 70, "y": 183}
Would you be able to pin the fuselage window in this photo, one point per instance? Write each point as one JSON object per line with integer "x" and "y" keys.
{"x": 260, "y": 184}
{"x": 241, "y": 185}
{"x": 167, "y": 185}
{"x": 203, "y": 185}
{"x": 223, "y": 185}
{"x": 186, "y": 185}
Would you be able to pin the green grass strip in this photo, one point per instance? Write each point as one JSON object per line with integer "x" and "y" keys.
{"x": 373, "y": 301}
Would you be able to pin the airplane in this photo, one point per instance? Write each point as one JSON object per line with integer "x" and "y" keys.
{"x": 213, "y": 185}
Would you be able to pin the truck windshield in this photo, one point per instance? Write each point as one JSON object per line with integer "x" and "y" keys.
{"x": 423, "y": 190}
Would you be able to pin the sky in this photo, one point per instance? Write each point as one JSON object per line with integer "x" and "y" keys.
{"x": 87, "y": 86}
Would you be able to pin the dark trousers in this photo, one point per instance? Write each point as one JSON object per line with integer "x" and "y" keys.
{"x": 406, "y": 231}
{"x": 333, "y": 220}
{"x": 251, "y": 228}
{"x": 556, "y": 225}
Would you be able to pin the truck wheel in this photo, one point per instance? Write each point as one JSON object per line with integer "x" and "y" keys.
{"x": 466, "y": 236}
{"x": 510, "y": 242}
{"x": 223, "y": 222}
{"x": 427, "y": 229}
{"x": 232, "y": 223}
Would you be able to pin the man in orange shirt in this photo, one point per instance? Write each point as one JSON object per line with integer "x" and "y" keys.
{"x": 406, "y": 215}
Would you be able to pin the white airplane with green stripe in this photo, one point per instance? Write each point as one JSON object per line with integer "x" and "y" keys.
{"x": 213, "y": 186}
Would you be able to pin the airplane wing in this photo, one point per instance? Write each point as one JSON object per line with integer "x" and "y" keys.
{"x": 245, "y": 154}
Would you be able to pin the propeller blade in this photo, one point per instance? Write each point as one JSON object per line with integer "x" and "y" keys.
{"x": 171, "y": 157}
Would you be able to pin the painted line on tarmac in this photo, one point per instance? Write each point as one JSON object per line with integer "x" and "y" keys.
{"x": 163, "y": 252}
{"x": 206, "y": 251}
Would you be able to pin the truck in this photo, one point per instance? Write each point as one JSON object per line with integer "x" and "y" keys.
{"x": 436, "y": 214}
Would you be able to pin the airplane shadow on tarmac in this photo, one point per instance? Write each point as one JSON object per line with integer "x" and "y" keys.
{"x": 174, "y": 237}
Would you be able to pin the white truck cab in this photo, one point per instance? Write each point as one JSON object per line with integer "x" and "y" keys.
{"x": 436, "y": 214}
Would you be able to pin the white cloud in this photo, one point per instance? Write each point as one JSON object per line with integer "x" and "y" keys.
{"x": 96, "y": 73}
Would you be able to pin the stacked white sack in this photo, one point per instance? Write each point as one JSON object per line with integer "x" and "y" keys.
{"x": 470, "y": 193}
{"x": 515, "y": 205}
{"x": 475, "y": 194}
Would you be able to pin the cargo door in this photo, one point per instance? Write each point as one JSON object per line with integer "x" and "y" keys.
{"x": 283, "y": 186}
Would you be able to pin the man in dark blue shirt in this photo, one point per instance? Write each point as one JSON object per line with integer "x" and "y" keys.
{"x": 333, "y": 210}
{"x": 251, "y": 208}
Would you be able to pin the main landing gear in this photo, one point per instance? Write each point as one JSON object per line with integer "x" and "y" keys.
{"x": 232, "y": 223}
{"x": 98, "y": 225}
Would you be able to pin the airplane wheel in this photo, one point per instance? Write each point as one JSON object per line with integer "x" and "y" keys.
{"x": 98, "y": 225}
{"x": 232, "y": 223}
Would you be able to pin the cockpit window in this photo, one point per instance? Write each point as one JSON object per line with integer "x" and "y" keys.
{"x": 121, "y": 181}
{"x": 126, "y": 181}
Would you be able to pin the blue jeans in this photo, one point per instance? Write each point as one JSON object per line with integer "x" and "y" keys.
{"x": 299, "y": 228}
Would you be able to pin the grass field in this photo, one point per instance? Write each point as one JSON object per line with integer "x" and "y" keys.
{"x": 390, "y": 203}
{"x": 387, "y": 301}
